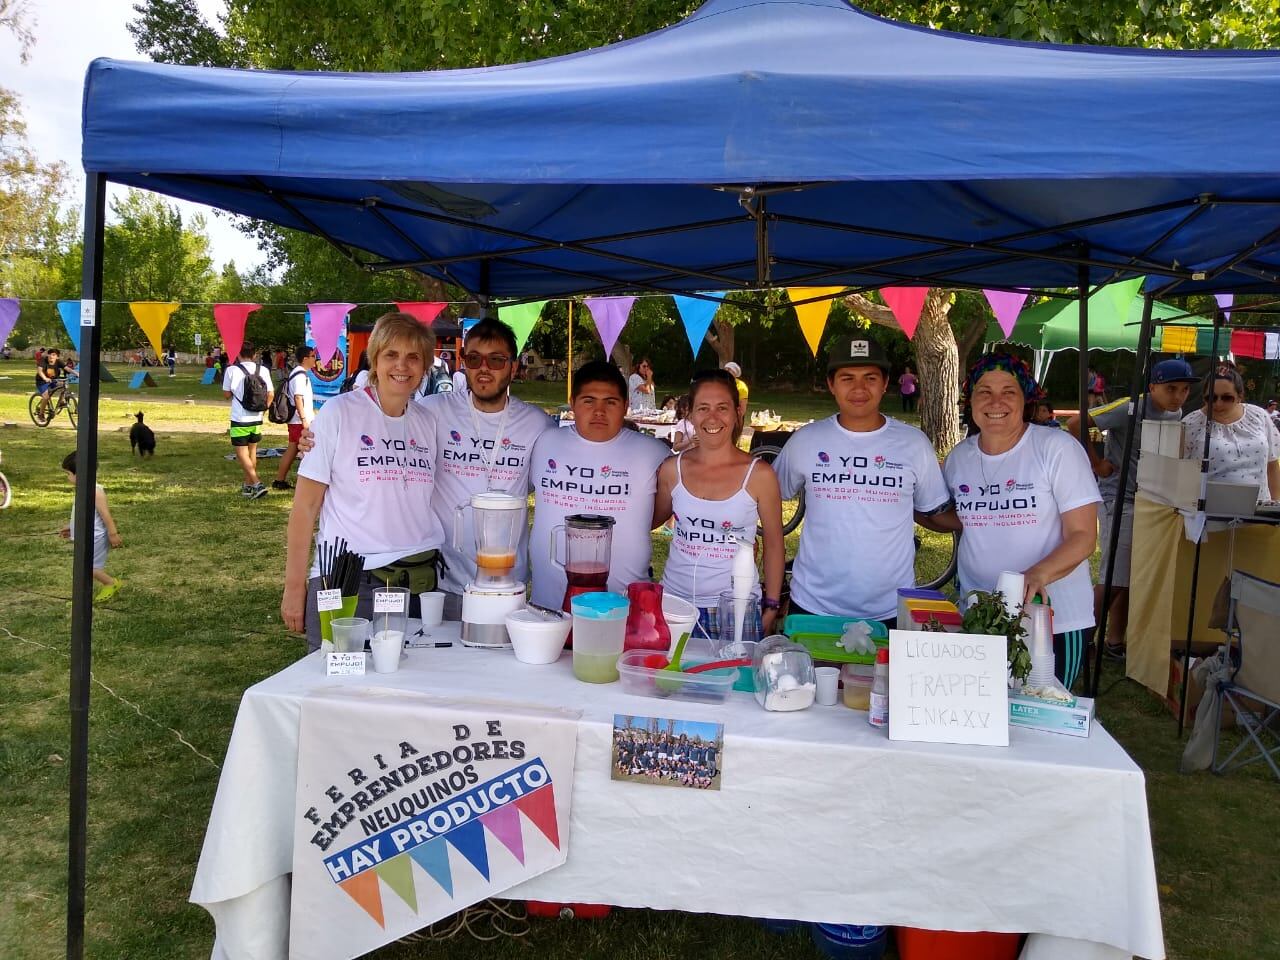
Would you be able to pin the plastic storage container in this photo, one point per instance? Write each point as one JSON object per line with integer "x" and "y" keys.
{"x": 855, "y": 681}
{"x": 783, "y": 673}
{"x": 820, "y": 635}
{"x": 599, "y": 630}
{"x": 842, "y": 941}
{"x": 711, "y": 686}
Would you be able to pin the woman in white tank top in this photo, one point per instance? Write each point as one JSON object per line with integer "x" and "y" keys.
{"x": 717, "y": 492}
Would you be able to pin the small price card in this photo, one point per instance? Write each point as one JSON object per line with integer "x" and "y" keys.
{"x": 327, "y": 600}
{"x": 344, "y": 665}
{"x": 389, "y": 602}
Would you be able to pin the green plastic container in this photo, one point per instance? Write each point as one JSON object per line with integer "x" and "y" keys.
{"x": 821, "y": 635}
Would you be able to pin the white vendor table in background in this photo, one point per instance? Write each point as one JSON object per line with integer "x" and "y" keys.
{"x": 820, "y": 818}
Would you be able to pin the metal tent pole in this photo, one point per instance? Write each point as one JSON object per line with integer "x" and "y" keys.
{"x": 1200, "y": 508}
{"x": 1082, "y": 282}
{"x": 568, "y": 377}
{"x": 82, "y": 563}
{"x": 1117, "y": 510}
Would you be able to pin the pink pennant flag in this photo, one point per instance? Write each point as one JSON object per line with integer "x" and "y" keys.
{"x": 326, "y": 327}
{"x": 1006, "y": 305}
{"x": 504, "y": 823}
{"x": 1225, "y": 300}
{"x": 425, "y": 311}
{"x": 610, "y": 315}
{"x": 906, "y": 304}
{"x": 231, "y": 319}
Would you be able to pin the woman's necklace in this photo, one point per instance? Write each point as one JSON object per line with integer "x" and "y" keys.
{"x": 995, "y": 458}
{"x": 400, "y": 453}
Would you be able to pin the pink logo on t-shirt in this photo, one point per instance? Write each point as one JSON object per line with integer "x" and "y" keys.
{"x": 1008, "y": 484}
{"x": 726, "y": 525}
{"x": 879, "y": 461}
{"x": 506, "y": 442}
{"x": 604, "y": 471}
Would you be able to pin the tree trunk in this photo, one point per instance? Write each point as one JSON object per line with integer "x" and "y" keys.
{"x": 623, "y": 358}
{"x": 937, "y": 358}
{"x": 720, "y": 336}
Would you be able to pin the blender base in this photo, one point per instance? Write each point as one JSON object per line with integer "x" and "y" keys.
{"x": 484, "y": 614}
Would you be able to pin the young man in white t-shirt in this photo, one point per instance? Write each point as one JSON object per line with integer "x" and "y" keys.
{"x": 594, "y": 467}
{"x": 866, "y": 479}
{"x": 484, "y": 441}
{"x": 246, "y": 425}
{"x": 297, "y": 388}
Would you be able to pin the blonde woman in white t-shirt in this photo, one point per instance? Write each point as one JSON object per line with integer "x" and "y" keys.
{"x": 368, "y": 479}
{"x": 715, "y": 490}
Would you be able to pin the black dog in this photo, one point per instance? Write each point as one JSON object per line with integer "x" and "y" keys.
{"x": 141, "y": 439}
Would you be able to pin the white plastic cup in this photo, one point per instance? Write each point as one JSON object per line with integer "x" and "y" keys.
{"x": 386, "y": 646}
{"x": 432, "y": 605}
{"x": 1012, "y": 585}
{"x": 828, "y": 685}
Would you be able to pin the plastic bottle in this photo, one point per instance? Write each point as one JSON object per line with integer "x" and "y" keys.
{"x": 878, "y": 716}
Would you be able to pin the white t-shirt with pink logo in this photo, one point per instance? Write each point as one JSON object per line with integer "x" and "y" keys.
{"x": 861, "y": 494}
{"x": 617, "y": 478}
{"x": 478, "y": 452}
{"x": 380, "y": 472}
{"x": 1011, "y": 505}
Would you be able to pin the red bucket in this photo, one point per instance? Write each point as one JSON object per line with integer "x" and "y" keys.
{"x": 915, "y": 943}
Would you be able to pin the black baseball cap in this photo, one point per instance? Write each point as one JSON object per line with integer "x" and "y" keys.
{"x": 1173, "y": 371}
{"x": 857, "y": 351}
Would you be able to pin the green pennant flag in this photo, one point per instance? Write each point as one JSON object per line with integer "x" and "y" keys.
{"x": 397, "y": 873}
{"x": 522, "y": 318}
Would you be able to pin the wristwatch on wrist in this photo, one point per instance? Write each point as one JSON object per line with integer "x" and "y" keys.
{"x": 768, "y": 603}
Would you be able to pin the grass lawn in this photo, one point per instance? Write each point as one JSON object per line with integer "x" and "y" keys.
{"x": 198, "y": 622}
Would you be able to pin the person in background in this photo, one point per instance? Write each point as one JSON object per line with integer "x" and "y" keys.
{"x": 266, "y": 359}
{"x": 171, "y": 359}
{"x": 1244, "y": 443}
{"x": 908, "y": 390}
{"x": 683, "y": 434}
{"x": 281, "y": 360}
{"x": 1044, "y": 415}
{"x": 1097, "y": 385}
{"x": 224, "y": 361}
{"x": 597, "y": 467}
{"x": 1273, "y": 411}
{"x": 867, "y": 479}
{"x": 208, "y": 360}
{"x": 717, "y": 495}
{"x": 1028, "y": 503}
{"x": 39, "y": 355}
{"x": 369, "y": 480}
{"x": 246, "y": 424}
{"x": 640, "y": 390}
{"x": 105, "y": 534}
{"x": 1167, "y": 391}
{"x": 743, "y": 392}
{"x": 297, "y": 387}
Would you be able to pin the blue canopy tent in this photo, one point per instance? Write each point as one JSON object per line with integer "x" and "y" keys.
{"x": 756, "y": 143}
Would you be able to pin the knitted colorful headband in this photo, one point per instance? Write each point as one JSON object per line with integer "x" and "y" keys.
{"x": 1009, "y": 364}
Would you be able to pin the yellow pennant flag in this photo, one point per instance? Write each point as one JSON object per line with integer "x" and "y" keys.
{"x": 812, "y": 316}
{"x": 153, "y": 317}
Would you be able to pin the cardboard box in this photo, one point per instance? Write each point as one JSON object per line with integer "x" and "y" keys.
{"x": 1072, "y": 720}
{"x": 1161, "y": 437}
{"x": 1170, "y": 480}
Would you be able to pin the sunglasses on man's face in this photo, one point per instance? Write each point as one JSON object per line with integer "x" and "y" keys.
{"x": 494, "y": 361}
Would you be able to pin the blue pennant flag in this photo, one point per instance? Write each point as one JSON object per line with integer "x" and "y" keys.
{"x": 433, "y": 857}
{"x": 468, "y": 840}
{"x": 70, "y": 311}
{"x": 697, "y": 315}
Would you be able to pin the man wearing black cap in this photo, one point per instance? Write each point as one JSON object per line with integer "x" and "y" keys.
{"x": 865, "y": 478}
{"x": 1166, "y": 393}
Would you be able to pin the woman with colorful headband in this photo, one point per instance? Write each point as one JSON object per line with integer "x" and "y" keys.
{"x": 1028, "y": 502}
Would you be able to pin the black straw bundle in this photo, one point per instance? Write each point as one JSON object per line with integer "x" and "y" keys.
{"x": 340, "y": 569}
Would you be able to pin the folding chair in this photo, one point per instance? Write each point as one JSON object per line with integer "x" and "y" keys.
{"x": 1253, "y": 690}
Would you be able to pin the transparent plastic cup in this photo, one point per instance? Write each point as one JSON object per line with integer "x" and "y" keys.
{"x": 349, "y": 634}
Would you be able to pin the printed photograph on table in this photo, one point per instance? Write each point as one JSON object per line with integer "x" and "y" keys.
{"x": 667, "y": 753}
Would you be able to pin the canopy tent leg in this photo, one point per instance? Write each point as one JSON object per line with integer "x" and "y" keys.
{"x": 1200, "y": 508}
{"x": 1117, "y": 511}
{"x": 82, "y": 562}
{"x": 1082, "y": 284}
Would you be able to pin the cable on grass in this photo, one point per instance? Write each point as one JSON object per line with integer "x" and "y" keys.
{"x": 484, "y": 921}
{"x": 128, "y": 703}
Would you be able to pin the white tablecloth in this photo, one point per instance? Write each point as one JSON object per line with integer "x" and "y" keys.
{"x": 820, "y": 818}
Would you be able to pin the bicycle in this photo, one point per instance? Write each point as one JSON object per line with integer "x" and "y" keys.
{"x": 6, "y": 492}
{"x": 43, "y": 407}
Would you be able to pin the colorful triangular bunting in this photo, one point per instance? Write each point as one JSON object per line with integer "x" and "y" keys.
{"x": 69, "y": 311}
{"x": 468, "y": 840}
{"x": 424, "y": 311}
{"x": 521, "y": 318}
{"x": 397, "y": 873}
{"x": 1006, "y": 305}
{"x": 153, "y": 318}
{"x": 540, "y": 807}
{"x": 812, "y": 316}
{"x": 433, "y": 857}
{"x": 231, "y": 319}
{"x": 610, "y": 316}
{"x": 696, "y": 315}
{"x": 9, "y": 310}
{"x": 504, "y": 823}
{"x": 906, "y": 304}
{"x": 326, "y": 327}
{"x": 363, "y": 889}
{"x": 1225, "y": 301}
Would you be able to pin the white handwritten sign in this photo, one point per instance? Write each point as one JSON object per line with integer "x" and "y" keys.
{"x": 948, "y": 688}
{"x": 344, "y": 664}
{"x": 389, "y": 602}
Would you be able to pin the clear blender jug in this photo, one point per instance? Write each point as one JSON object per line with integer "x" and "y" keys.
{"x": 588, "y": 539}
{"x": 499, "y": 520}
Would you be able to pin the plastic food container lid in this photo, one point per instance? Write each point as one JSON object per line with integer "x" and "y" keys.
{"x": 920, "y": 593}
{"x": 944, "y": 617}
{"x": 599, "y": 606}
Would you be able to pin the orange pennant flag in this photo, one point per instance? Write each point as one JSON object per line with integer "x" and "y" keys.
{"x": 153, "y": 318}
{"x": 812, "y": 316}
{"x": 363, "y": 889}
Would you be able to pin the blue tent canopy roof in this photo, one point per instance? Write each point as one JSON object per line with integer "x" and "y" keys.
{"x": 884, "y": 153}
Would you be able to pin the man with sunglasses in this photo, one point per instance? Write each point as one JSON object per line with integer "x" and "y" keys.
{"x": 484, "y": 438}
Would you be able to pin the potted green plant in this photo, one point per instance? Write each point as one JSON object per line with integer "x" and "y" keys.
{"x": 988, "y": 614}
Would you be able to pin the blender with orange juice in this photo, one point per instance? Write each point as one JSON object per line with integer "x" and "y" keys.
{"x": 499, "y": 520}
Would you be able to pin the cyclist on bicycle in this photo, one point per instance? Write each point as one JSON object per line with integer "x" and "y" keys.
{"x": 49, "y": 370}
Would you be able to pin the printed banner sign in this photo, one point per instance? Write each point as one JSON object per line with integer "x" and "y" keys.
{"x": 410, "y": 808}
{"x": 327, "y": 377}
